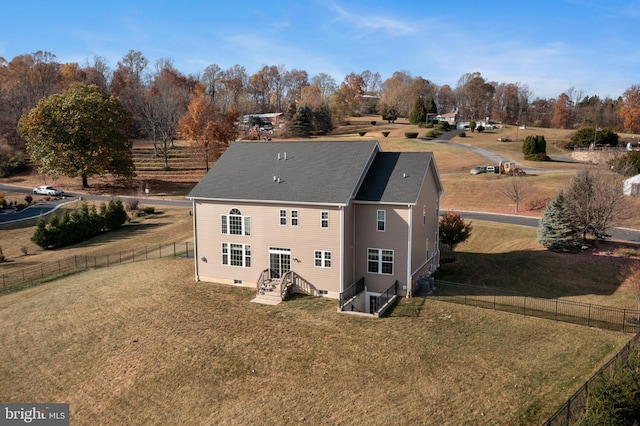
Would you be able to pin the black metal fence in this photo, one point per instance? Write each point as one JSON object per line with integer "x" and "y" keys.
{"x": 576, "y": 407}
{"x": 47, "y": 271}
{"x": 605, "y": 317}
{"x": 387, "y": 295}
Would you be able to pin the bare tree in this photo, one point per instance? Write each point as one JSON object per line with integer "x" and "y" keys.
{"x": 596, "y": 202}
{"x": 325, "y": 84}
{"x": 516, "y": 189}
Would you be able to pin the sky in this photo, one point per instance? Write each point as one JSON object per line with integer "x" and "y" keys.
{"x": 550, "y": 46}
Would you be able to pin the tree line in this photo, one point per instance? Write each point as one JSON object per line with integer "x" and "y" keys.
{"x": 157, "y": 95}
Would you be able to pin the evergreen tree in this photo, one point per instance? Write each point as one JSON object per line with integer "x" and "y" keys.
{"x": 302, "y": 122}
{"x": 40, "y": 236}
{"x": 534, "y": 148}
{"x": 432, "y": 108}
{"x": 114, "y": 215}
{"x": 419, "y": 113}
{"x": 322, "y": 119}
{"x": 291, "y": 111}
{"x": 556, "y": 230}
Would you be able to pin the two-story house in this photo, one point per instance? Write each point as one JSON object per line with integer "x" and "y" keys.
{"x": 331, "y": 214}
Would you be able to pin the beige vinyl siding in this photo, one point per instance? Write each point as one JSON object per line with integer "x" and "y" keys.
{"x": 267, "y": 232}
{"x": 427, "y": 200}
{"x": 349, "y": 246}
{"x": 393, "y": 238}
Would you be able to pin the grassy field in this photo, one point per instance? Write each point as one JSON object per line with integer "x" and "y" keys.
{"x": 144, "y": 344}
{"x": 508, "y": 258}
{"x": 168, "y": 224}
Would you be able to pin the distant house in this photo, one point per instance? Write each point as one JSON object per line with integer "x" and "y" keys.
{"x": 342, "y": 220}
{"x": 275, "y": 118}
{"x": 631, "y": 186}
{"x": 451, "y": 117}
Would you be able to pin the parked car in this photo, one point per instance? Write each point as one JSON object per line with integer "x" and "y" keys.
{"x": 47, "y": 190}
{"x": 478, "y": 169}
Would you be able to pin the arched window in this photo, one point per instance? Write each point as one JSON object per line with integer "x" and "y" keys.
{"x": 235, "y": 224}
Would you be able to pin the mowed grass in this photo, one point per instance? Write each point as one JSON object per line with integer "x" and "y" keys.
{"x": 145, "y": 344}
{"x": 508, "y": 257}
{"x": 166, "y": 225}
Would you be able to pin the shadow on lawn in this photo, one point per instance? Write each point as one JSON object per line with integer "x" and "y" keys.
{"x": 595, "y": 271}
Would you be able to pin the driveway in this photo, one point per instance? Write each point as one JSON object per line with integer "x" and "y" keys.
{"x": 41, "y": 208}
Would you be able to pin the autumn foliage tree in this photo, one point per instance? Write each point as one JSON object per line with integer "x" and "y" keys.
{"x": 562, "y": 112}
{"x": 453, "y": 230}
{"x": 209, "y": 131}
{"x": 630, "y": 109}
{"x": 79, "y": 133}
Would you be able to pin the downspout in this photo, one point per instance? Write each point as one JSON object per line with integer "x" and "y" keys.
{"x": 409, "y": 234}
{"x": 195, "y": 238}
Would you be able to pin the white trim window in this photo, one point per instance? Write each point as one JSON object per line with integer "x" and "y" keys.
{"x": 235, "y": 224}
{"x": 322, "y": 259}
{"x": 294, "y": 217}
{"x": 380, "y": 261}
{"x": 283, "y": 218}
{"x": 382, "y": 220}
{"x": 324, "y": 219}
{"x": 236, "y": 254}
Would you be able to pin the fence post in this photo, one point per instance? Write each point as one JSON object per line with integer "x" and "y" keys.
{"x": 589, "y": 316}
{"x": 524, "y": 306}
{"x": 555, "y": 317}
{"x": 624, "y": 318}
{"x": 146, "y": 253}
{"x": 494, "y": 299}
{"x": 160, "y": 250}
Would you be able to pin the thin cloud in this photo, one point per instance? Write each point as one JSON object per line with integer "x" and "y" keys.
{"x": 372, "y": 23}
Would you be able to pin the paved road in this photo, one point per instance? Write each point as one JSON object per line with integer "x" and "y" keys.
{"x": 46, "y": 207}
{"x": 495, "y": 159}
{"x": 622, "y": 234}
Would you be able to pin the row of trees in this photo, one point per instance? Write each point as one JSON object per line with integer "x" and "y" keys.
{"x": 81, "y": 224}
{"x": 157, "y": 96}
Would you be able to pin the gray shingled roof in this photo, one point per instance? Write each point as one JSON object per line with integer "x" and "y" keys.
{"x": 313, "y": 172}
{"x": 395, "y": 177}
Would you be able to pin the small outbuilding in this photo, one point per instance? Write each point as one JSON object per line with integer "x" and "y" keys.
{"x": 631, "y": 186}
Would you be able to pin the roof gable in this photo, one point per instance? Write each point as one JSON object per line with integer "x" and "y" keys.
{"x": 397, "y": 177}
{"x": 299, "y": 172}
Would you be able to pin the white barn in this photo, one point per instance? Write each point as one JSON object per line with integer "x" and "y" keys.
{"x": 631, "y": 186}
